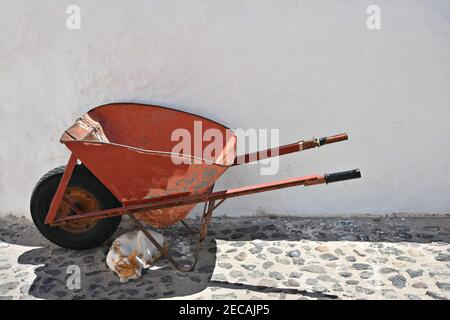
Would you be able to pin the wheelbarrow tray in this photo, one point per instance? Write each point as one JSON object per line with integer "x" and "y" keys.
{"x": 128, "y": 147}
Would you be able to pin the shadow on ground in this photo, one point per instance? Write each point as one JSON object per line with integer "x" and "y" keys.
{"x": 98, "y": 282}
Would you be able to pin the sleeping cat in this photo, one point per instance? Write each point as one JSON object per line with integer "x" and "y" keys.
{"x": 133, "y": 251}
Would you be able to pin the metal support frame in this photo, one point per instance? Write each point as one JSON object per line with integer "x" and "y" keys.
{"x": 58, "y": 197}
{"x": 209, "y": 198}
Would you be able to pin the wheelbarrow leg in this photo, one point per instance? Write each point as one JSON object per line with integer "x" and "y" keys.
{"x": 203, "y": 232}
{"x": 206, "y": 218}
{"x": 188, "y": 228}
{"x": 205, "y": 207}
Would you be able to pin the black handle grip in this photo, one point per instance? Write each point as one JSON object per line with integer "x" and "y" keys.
{"x": 343, "y": 175}
{"x": 333, "y": 139}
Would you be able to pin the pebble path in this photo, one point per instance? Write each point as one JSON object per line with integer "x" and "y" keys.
{"x": 246, "y": 258}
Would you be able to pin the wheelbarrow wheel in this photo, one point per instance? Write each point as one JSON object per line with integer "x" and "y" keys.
{"x": 84, "y": 191}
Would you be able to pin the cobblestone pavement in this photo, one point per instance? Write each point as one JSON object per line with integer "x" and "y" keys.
{"x": 248, "y": 258}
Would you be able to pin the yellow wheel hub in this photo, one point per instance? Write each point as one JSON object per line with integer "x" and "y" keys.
{"x": 85, "y": 202}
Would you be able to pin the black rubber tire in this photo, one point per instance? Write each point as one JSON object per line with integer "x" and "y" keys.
{"x": 43, "y": 194}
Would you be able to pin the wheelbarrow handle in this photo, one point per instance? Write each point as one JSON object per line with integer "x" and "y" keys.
{"x": 289, "y": 148}
{"x": 341, "y": 176}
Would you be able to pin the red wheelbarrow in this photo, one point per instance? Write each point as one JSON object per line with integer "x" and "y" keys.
{"x": 130, "y": 165}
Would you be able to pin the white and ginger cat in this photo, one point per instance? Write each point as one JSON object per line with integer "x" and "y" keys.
{"x": 133, "y": 251}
